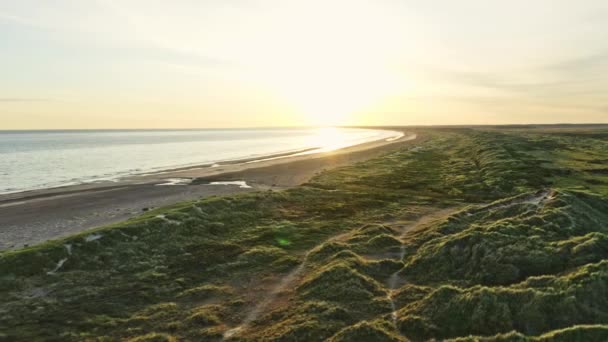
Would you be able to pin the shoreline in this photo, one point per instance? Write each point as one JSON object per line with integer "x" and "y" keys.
{"x": 119, "y": 178}
{"x": 110, "y": 182}
{"x": 31, "y": 217}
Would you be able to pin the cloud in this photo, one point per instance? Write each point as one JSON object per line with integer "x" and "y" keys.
{"x": 15, "y": 19}
{"x": 181, "y": 57}
{"x": 587, "y": 63}
{"x": 25, "y": 99}
{"x": 582, "y": 76}
{"x": 571, "y": 85}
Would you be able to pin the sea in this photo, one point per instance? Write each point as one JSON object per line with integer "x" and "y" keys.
{"x": 31, "y": 160}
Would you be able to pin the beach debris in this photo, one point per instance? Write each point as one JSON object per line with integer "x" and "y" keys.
{"x": 241, "y": 184}
{"x": 58, "y": 266}
{"x": 93, "y": 237}
{"x": 176, "y": 181}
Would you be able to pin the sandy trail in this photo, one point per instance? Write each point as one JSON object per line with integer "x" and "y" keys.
{"x": 279, "y": 288}
{"x": 395, "y": 281}
{"x": 268, "y": 300}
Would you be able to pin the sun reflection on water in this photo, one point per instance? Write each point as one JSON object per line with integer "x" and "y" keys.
{"x": 329, "y": 138}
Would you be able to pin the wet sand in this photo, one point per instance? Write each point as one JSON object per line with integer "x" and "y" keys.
{"x": 32, "y": 217}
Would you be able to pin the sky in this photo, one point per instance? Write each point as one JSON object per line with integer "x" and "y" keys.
{"x": 68, "y": 64}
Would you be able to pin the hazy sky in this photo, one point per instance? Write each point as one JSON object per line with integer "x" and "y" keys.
{"x": 235, "y": 63}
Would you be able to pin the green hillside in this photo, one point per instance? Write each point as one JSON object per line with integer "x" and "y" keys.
{"x": 470, "y": 235}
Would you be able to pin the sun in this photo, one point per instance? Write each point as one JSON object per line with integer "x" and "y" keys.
{"x": 329, "y": 92}
{"x": 328, "y": 71}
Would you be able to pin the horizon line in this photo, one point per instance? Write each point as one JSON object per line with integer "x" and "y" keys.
{"x": 305, "y": 126}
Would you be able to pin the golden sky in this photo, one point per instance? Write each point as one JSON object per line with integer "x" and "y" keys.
{"x": 239, "y": 63}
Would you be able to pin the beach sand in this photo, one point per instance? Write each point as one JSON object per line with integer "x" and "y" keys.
{"x": 33, "y": 217}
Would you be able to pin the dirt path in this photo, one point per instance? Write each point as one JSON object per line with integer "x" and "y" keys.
{"x": 281, "y": 286}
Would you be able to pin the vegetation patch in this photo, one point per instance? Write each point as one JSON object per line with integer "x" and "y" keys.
{"x": 374, "y": 251}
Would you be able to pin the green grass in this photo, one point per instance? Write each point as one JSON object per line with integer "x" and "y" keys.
{"x": 481, "y": 258}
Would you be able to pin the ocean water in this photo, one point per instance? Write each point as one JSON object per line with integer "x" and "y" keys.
{"x": 43, "y": 159}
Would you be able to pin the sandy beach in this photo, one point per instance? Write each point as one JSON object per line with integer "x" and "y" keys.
{"x": 32, "y": 217}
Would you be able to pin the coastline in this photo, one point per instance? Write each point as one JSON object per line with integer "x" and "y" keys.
{"x": 115, "y": 180}
{"x": 74, "y": 160}
{"x": 31, "y": 217}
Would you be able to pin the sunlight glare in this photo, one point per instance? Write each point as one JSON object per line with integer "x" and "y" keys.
{"x": 329, "y": 139}
{"x": 328, "y": 70}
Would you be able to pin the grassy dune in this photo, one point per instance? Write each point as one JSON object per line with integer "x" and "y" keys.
{"x": 491, "y": 235}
